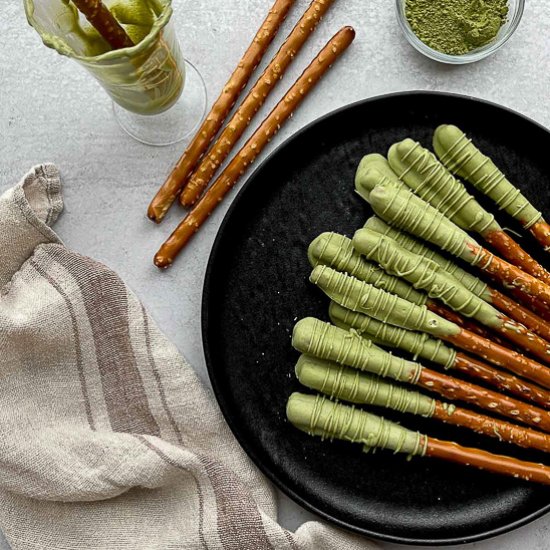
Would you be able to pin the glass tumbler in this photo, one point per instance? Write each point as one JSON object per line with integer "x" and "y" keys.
{"x": 158, "y": 97}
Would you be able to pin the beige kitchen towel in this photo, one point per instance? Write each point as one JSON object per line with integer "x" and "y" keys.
{"x": 107, "y": 438}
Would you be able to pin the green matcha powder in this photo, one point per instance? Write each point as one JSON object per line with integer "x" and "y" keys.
{"x": 456, "y": 27}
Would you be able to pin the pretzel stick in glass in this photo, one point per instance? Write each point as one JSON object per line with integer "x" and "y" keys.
{"x": 104, "y": 23}
{"x": 335, "y": 47}
{"x": 179, "y": 175}
{"x": 253, "y": 101}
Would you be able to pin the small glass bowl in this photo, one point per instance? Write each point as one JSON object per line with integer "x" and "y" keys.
{"x": 515, "y": 12}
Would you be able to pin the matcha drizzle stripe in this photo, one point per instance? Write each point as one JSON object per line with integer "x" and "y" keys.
{"x": 436, "y": 178}
{"x": 336, "y": 251}
{"x": 379, "y": 433}
{"x": 325, "y": 341}
{"x": 488, "y": 183}
{"x": 419, "y": 344}
{"x": 407, "y": 211}
{"x": 349, "y": 384}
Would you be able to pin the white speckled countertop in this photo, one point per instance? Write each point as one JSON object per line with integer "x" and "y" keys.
{"x": 51, "y": 110}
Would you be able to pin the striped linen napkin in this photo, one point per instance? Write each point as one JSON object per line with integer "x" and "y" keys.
{"x": 108, "y": 440}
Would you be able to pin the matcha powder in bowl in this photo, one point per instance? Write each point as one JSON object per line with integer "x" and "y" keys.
{"x": 459, "y": 31}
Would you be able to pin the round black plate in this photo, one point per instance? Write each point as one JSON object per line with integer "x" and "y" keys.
{"x": 257, "y": 287}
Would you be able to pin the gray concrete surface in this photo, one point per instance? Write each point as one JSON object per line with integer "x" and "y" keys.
{"x": 51, "y": 110}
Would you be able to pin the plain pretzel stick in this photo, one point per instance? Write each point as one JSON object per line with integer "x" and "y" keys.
{"x": 335, "y": 47}
{"x": 253, "y": 101}
{"x": 104, "y": 23}
{"x": 179, "y": 175}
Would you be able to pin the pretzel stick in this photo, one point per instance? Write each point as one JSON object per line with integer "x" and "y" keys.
{"x": 457, "y": 319}
{"x": 429, "y": 276}
{"x": 409, "y": 212}
{"x": 462, "y": 157}
{"x": 336, "y": 251}
{"x": 478, "y": 458}
{"x": 253, "y": 101}
{"x": 363, "y": 298}
{"x": 253, "y": 147}
{"x": 325, "y": 341}
{"x": 541, "y": 232}
{"x": 179, "y": 175}
{"x": 104, "y": 23}
{"x": 505, "y": 304}
{"x": 430, "y": 180}
{"x": 423, "y": 347}
{"x": 343, "y": 383}
{"x": 322, "y": 417}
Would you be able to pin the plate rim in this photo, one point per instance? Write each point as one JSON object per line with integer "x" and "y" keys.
{"x": 271, "y": 475}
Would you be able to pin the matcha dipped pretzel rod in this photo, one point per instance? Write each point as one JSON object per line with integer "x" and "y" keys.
{"x": 320, "y": 416}
{"x": 389, "y": 308}
{"x": 335, "y": 47}
{"x": 179, "y": 175}
{"x": 446, "y": 195}
{"x": 431, "y": 181}
{"x": 422, "y": 346}
{"x": 255, "y": 98}
{"x": 427, "y": 275}
{"x": 103, "y": 21}
{"x": 405, "y": 210}
{"x": 325, "y": 341}
{"x": 337, "y": 251}
{"x": 502, "y": 302}
{"x": 462, "y": 157}
{"x": 343, "y": 383}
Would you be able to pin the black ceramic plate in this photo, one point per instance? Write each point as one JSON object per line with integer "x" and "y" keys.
{"x": 257, "y": 287}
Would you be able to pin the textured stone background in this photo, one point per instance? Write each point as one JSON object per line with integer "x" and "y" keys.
{"x": 51, "y": 110}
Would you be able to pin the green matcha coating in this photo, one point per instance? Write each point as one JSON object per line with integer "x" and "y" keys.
{"x": 317, "y": 415}
{"x": 325, "y": 341}
{"x": 388, "y": 308}
{"x": 463, "y": 158}
{"x": 369, "y": 162}
{"x": 419, "y": 344}
{"x": 404, "y": 210}
{"x": 456, "y": 27}
{"x": 430, "y": 180}
{"x": 336, "y": 251}
{"x": 341, "y": 382}
{"x": 425, "y": 274}
{"x": 138, "y": 17}
{"x": 147, "y": 78}
{"x": 469, "y": 281}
